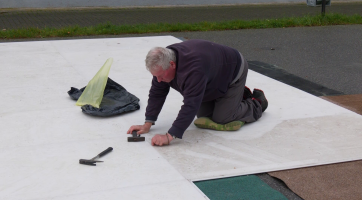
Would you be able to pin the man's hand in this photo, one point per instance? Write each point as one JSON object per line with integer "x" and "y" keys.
{"x": 160, "y": 140}
{"x": 145, "y": 128}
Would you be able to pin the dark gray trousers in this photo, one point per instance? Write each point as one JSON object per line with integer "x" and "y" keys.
{"x": 232, "y": 106}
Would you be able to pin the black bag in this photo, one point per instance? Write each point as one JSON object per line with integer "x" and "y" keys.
{"x": 116, "y": 100}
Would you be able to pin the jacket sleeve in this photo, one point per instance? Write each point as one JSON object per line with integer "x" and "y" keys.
{"x": 156, "y": 99}
{"x": 193, "y": 92}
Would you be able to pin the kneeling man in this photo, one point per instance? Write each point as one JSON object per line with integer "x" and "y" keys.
{"x": 211, "y": 78}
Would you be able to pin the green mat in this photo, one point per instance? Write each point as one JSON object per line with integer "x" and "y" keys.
{"x": 241, "y": 187}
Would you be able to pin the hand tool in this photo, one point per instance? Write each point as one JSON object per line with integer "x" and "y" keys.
{"x": 135, "y": 137}
{"x": 93, "y": 161}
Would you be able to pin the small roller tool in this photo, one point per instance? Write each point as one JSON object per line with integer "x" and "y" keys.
{"x": 135, "y": 137}
{"x": 93, "y": 161}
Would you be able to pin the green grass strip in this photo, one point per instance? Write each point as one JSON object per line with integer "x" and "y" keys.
{"x": 110, "y": 29}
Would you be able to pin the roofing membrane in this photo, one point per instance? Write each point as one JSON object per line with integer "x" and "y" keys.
{"x": 43, "y": 134}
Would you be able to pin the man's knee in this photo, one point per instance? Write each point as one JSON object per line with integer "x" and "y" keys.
{"x": 204, "y": 113}
{"x": 225, "y": 114}
{"x": 221, "y": 119}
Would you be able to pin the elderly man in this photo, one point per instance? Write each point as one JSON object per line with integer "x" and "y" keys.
{"x": 211, "y": 78}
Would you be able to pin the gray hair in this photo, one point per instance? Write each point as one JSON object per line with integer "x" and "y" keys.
{"x": 159, "y": 57}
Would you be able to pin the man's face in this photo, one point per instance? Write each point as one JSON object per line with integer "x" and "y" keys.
{"x": 165, "y": 75}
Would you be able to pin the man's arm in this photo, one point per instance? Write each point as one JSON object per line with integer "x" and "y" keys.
{"x": 156, "y": 99}
{"x": 193, "y": 92}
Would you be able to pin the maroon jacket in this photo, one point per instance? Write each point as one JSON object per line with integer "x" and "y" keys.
{"x": 204, "y": 71}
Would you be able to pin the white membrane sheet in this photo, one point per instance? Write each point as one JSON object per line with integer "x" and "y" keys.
{"x": 43, "y": 134}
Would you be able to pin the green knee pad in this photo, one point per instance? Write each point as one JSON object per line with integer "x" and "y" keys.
{"x": 207, "y": 123}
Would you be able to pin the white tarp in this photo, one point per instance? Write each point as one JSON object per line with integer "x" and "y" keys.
{"x": 43, "y": 137}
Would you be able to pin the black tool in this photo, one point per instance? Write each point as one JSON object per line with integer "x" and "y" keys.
{"x": 135, "y": 137}
{"x": 93, "y": 161}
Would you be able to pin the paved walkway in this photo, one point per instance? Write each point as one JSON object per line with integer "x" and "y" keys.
{"x": 13, "y": 19}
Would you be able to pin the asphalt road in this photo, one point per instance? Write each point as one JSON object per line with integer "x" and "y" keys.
{"x": 20, "y": 18}
{"x": 330, "y": 56}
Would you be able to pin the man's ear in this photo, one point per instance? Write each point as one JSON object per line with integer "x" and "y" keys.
{"x": 173, "y": 64}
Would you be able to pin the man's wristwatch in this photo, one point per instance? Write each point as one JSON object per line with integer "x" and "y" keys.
{"x": 174, "y": 137}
